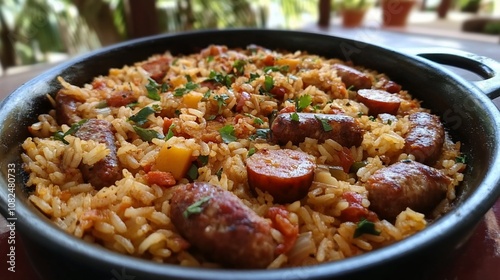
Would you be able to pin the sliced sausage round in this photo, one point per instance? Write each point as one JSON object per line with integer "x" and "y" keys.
{"x": 345, "y": 130}
{"x": 285, "y": 174}
{"x": 221, "y": 226}
{"x": 352, "y": 77}
{"x": 406, "y": 184}
{"x": 425, "y": 137}
{"x": 379, "y": 101}
{"x": 105, "y": 172}
{"x": 66, "y": 107}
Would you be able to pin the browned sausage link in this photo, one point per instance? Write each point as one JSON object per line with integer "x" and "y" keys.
{"x": 352, "y": 77}
{"x": 221, "y": 226}
{"x": 379, "y": 101}
{"x": 285, "y": 174}
{"x": 157, "y": 68}
{"x": 425, "y": 137}
{"x": 406, "y": 184}
{"x": 345, "y": 130}
{"x": 66, "y": 106}
{"x": 105, "y": 172}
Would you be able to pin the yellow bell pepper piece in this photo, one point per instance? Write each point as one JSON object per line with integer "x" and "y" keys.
{"x": 175, "y": 159}
{"x": 192, "y": 99}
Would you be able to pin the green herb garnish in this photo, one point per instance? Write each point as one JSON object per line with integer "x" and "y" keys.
{"x": 102, "y": 104}
{"x": 324, "y": 123}
{"x": 365, "y": 226}
{"x": 178, "y": 92}
{"x": 294, "y": 117}
{"x": 147, "y": 134}
{"x": 170, "y": 132}
{"x": 461, "y": 159}
{"x": 268, "y": 83}
{"x": 239, "y": 66}
{"x": 225, "y": 80}
{"x": 262, "y": 133}
{"x": 192, "y": 172}
{"x": 227, "y": 134}
{"x": 59, "y": 135}
{"x": 303, "y": 102}
{"x": 202, "y": 160}
{"x": 152, "y": 88}
{"x": 251, "y": 151}
{"x": 221, "y": 100}
{"x": 253, "y": 76}
{"x": 283, "y": 69}
{"x": 196, "y": 207}
{"x": 142, "y": 116}
{"x": 219, "y": 173}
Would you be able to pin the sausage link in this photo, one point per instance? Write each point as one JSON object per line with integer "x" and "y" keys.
{"x": 285, "y": 174}
{"x": 106, "y": 171}
{"x": 224, "y": 229}
{"x": 352, "y": 77}
{"x": 157, "y": 68}
{"x": 425, "y": 137}
{"x": 379, "y": 101}
{"x": 66, "y": 106}
{"x": 406, "y": 184}
{"x": 345, "y": 130}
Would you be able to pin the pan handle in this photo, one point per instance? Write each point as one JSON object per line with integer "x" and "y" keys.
{"x": 487, "y": 68}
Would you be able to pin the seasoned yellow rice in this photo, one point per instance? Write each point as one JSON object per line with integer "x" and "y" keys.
{"x": 132, "y": 216}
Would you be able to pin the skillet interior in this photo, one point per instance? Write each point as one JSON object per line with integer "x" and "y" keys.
{"x": 469, "y": 116}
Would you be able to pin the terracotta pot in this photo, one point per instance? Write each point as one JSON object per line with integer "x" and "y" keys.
{"x": 353, "y": 17}
{"x": 396, "y": 12}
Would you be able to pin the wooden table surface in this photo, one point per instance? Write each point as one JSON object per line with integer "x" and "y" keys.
{"x": 479, "y": 258}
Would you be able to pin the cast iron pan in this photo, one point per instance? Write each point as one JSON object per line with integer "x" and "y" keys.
{"x": 465, "y": 107}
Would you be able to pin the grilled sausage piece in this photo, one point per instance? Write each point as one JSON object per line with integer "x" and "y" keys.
{"x": 379, "y": 101}
{"x": 284, "y": 174}
{"x": 345, "y": 130}
{"x": 106, "y": 171}
{"x": 406, "y": 184}
{"x": 425, "y": 137}
{"x": 157, "y": 68}
{"x": 352, "y": 77}
{"x": 66, "y": 106}
{"x": 221, "y": 226}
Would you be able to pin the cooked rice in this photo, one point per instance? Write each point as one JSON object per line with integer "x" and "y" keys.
{"x": 132, "y": 217}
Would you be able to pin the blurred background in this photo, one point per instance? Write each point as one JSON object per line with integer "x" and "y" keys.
{"x": 48, "y": 31}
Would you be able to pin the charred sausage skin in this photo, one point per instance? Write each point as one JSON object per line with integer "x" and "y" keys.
{"x": 406, "y": 184}
{"x": 425, "y": 137}
{"x": 285, "y": 174}
{"x": 345, "y": 130}
{"x": 352, "y": 77}
{"x": 66, "y": 107}
{"x": 105, "y": 172}
{"x": 225, "y": 230}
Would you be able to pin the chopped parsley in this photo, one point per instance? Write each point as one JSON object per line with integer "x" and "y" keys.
{"x": 196, "y": 207}
{"x": 142, "y": 116}
{"x": 219, "y": 173}
{"x": 59, "y": 135}
{"x": 153, "y": 91}
{"x": 324, "y": 123}
{"x": 187, "y": 88}
{"x": 170, "y": 132}
{"x": 256, "y": 120}
{"x": 303, "y": 102}
{"x": 202, "y": 160}
{"x": 251, "y": 151}
{"x": 210, "y": 58}
{"x": 221, "y": 100}
{"x": 268, "y": 83}
{"x": 262, "y": 133}
{"x": 372, "y": 118}
{"x": 192, "y": 172}
{"x": 365, "y": 227}
{"x": 239, "y": 66}
{"x": 227, "y": 134}
{"x": 102, "y": 104}
{"x": 461, "y": 159}
{"x": 282, "y": 69}
{"x": 225, "y": 80}
{"x": 294, "y": 117}
{"x": 253, "y": 76}
{"x": 147, "y": 134}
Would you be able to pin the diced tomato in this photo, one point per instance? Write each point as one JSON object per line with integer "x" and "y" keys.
{"x": 279, "y": 92}
{"x": 346, "y": 159}
{"x": 355, "y": 211}
{"x": 281, "y": 222}
{"x": 167, "y": 122}
{"x": 269, "y": 60}
{"x": 161, "y": 178}
{"x": 244, "y": 96}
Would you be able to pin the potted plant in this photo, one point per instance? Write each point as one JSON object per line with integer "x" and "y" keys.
{"x": 396, "y": 12}
{"x": 353, "y": 12}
